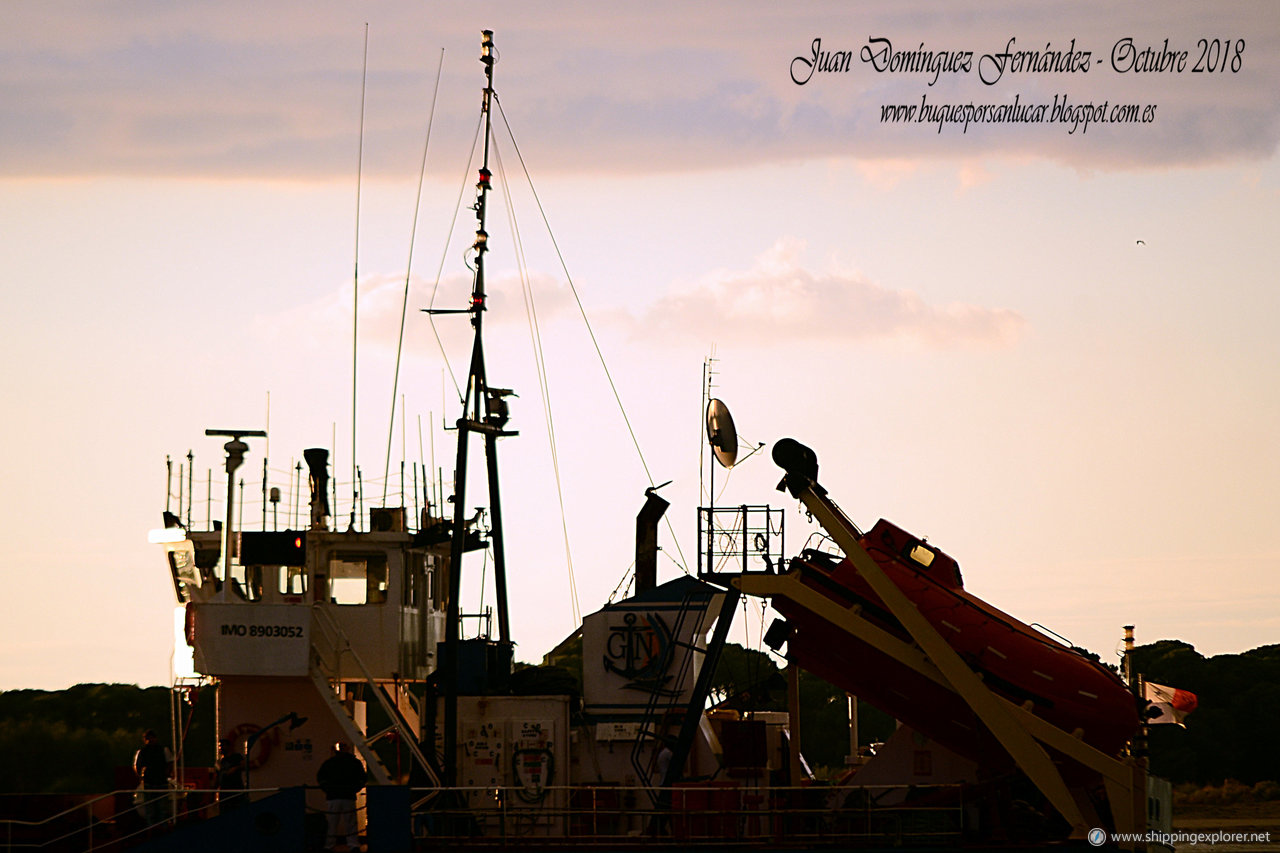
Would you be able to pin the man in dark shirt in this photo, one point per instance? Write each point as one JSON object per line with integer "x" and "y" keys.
{"x": 229, "y": 770}
{"x": 341, "y": 776}
{"x": 153, "y": 763}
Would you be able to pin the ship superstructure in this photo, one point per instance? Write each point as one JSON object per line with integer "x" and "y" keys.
{"x": 314, "y": 625}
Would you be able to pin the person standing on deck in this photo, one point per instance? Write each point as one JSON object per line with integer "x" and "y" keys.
{"x": 341, "y": 776}
{"x": 154, "y": 764}
{"x": 229, "y": 774}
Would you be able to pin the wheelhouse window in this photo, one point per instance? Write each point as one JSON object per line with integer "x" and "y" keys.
{"x": 419, "y": 588}
{"x": 437, "y": 582}
{"x": 246, "y": 581}
{"x": 358, "y": 578}
{"x": 293, "y": 580}
{"x": 414, "y": 580}
{"x": 186, "y": 574}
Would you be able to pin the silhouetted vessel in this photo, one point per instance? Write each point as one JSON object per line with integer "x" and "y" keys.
{"x": 321, "y": 634}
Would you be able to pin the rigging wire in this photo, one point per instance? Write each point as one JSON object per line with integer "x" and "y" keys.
{"x": 408, "y": 271}
{"x": 466, "y": 179}
{"x": 484, "y": 571}
{"x": 624, "y": 583}
{"x": 544, "y": 387}
{"x": 591, "y": 332}
{"x": 422, "y": 460}
{"x": 724, "y": 487}
{"x": 628, "y": 576}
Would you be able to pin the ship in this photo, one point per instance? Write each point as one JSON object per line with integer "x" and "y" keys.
{"x": 351, "y": 632}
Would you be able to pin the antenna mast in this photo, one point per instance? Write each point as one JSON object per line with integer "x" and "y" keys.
{"x": 355, "y": 285}
{"x": 236, "y": 449}
{"x": 484, "y": 411}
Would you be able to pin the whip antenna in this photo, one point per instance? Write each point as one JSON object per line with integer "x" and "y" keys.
{"x": 355, "y": 282}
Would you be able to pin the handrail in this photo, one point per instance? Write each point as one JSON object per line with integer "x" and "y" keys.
{"x": 741, "y": 815}
{"x": 87, "y": 806}
{"x": 716, "y": 810}
{"x": 393, "y": 714}
{"x": 1055, "y": 634}
{"x": 66, "y": 812}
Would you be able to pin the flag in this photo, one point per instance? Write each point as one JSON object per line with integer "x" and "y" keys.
{"x": 1167, "y": 704}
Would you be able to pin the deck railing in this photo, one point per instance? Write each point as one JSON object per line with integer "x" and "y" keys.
{"x": 703, "y": 814}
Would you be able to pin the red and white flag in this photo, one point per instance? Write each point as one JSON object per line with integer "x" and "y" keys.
{"x": 1168, "y": 704}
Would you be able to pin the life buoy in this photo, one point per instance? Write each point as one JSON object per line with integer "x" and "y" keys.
{"x": 261, "y": 747}
{"x": 189, "y": 624}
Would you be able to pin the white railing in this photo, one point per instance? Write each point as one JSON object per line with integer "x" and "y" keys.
{"x": 83, "y": 827}
{"x": 703, "y": 813}
{"x": 340, "y": 645}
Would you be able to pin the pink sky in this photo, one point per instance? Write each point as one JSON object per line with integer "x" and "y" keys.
{"x": 963, "y": 325}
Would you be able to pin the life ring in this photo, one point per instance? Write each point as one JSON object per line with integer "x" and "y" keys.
{"x": 189, "y": 624}
{"x": 261, "y": 748}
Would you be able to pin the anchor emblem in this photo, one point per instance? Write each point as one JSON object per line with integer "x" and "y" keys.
{"x": 638, "y": 650}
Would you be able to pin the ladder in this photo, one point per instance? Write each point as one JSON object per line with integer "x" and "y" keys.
{"x": 697, "y": 604}
{"x": 329, "y": 687}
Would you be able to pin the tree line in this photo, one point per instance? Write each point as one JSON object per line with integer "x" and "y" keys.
{"x": 82, "y": 739}
{"x": 1233, "y": 733}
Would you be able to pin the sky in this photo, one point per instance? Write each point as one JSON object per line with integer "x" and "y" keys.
{"x": 1047, "y": 345}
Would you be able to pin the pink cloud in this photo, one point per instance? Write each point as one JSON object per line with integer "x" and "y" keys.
{"x": 779, "y": 300}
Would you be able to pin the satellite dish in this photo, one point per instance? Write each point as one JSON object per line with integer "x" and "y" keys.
{"x": 721, "y": 434}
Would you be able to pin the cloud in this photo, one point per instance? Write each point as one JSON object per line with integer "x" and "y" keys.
{"x": 779, "y": 301}
{"x": 327, "y": 318}
{"x": 242, "y": 91}
{"x": 886, "y": 174}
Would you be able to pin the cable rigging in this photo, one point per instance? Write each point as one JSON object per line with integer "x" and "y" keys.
{"x": 582, "y": 310}
{"x": 408, "y": 271}
{"x": 444, "y": 256}
{"x": 544, "y": 386}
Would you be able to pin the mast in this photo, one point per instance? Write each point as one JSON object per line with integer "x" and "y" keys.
{"x": 484, "y": 411}
{"x": 236, "y": 450}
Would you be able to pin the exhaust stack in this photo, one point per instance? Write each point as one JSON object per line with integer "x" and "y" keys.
{"x": 647, "y": 540}
{"x": 318, "y": 471}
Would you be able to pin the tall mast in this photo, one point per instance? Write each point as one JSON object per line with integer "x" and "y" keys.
{"x": 484, "y": 411}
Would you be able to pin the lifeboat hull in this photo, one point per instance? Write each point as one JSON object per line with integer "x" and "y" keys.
{"x": 1064, "y": 686}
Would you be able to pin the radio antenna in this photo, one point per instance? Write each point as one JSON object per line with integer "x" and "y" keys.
{"x": 408, "y": 271}
{"x": 355, "y": 282}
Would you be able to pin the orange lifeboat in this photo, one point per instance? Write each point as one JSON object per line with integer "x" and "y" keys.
{"x": 1065, "y": 686}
